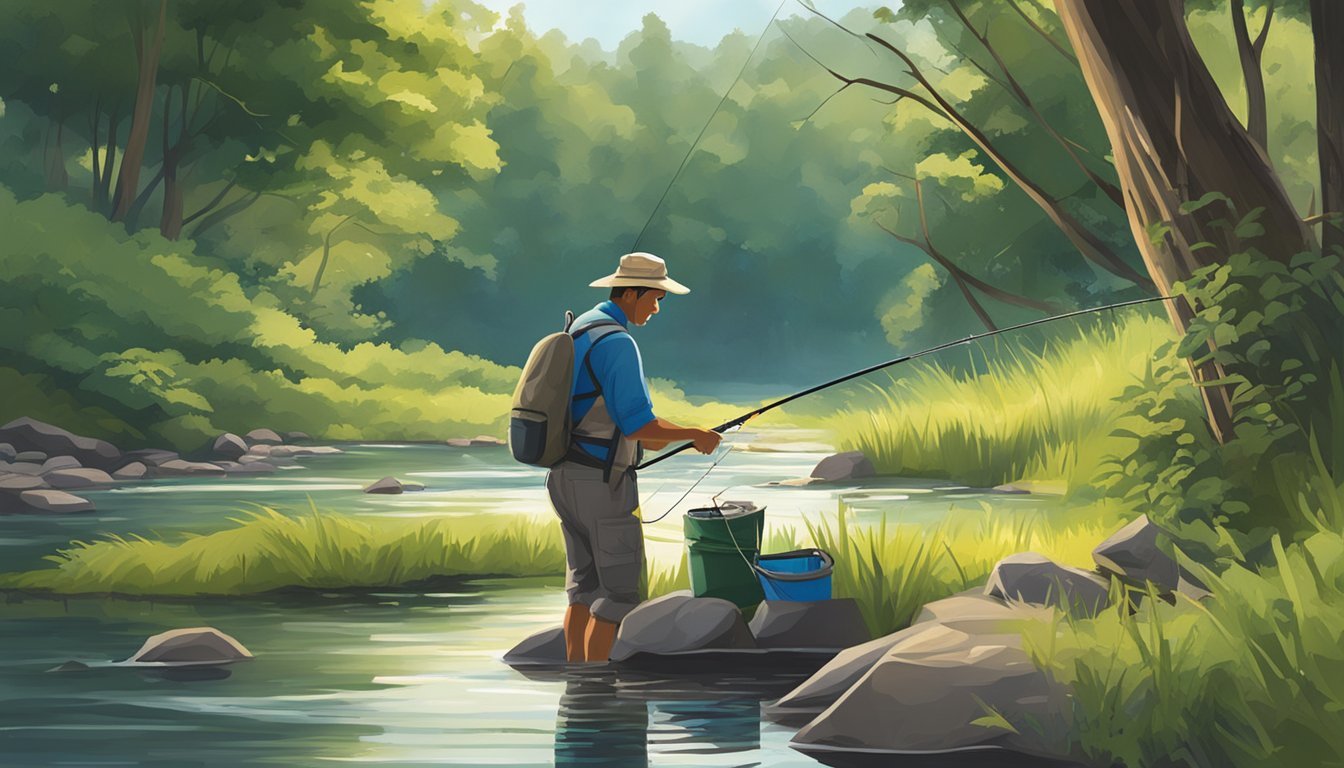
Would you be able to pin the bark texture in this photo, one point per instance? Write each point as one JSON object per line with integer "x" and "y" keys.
{"x": 1327, "y": 29}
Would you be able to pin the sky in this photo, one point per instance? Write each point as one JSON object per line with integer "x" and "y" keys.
{"x": 703, "y": 22}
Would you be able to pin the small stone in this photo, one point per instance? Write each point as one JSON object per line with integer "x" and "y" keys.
{"x": 179, "y": 467}
{"x": 229, "y": 446}
{"x": 70, "y": 666}
{"x": 153, "y": 457}
{"x": 59, "y": 462}
{"x": 483, "y": 440}
{"x": 1011, "y": 489}
{"x": 458, "y": 442}
{"x": 296, "y": 437}
{"x": 849, "y": 465}
{"x": 546, "y": 648}
{"x": 23, "y": 468}
{"x": 821, "y": 624}
{"x": 388, "y": 485}
{"x": 133, "y": 471}
{"x": 1037, "y": 580}
{"x": 193, "y": 644}
{"x": 79, "y": 477}
{"x": 264, "y": 436}
{"x": 249, "y": 468}
{"x": 48, "y": 500}
{"x": 7, "y": 452}
{"x": 36, "y": 457}
{"x": 679, "y": 622}
{"x": 412, "y": 486}
{"x": 262, "y": 450}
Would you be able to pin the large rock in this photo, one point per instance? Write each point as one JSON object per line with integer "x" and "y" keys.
{"x": 972, "y": 611}
{"x": 1035, "y": 579}
{"x": 80, "y": 477}
{"x": 1138, "y": 553}
{"x": 388, "y": 485}
{"x": 133, "y": 471}
{"x": 228, "y": 446}
{"x": 838, "y": 675}
{"x": 264, "y": 436}
{"x": 546, "y": 648}
{"x": 820, "y": 625}
{"x": 34, "y": 457}
{"x": 27, "y": 434}
{"x": 849, "y": 465}
{"x": 178, "y": 467}
{"x": 680, "y": 623}
{"x": 935, "y": 691}
{"x": 21, "y": 468}
{"x": 193, "y": 645}
{"x": 59, "y": 502}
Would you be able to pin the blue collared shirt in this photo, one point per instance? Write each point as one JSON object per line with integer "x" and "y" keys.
{"x": 618, "y": 367}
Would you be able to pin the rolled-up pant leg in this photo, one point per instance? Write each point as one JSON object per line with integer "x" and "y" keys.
{"x": 604, "y": 543}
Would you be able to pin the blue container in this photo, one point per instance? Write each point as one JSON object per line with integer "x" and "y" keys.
{"x": 803, "y": 575}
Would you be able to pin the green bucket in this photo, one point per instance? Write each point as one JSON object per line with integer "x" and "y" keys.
{"x": 721, "y": 550}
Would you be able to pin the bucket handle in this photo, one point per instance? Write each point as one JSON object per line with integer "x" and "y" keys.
{"x": 827, "y": 564}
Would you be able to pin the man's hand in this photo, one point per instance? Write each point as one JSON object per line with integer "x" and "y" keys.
{"x": 706, "y": 440}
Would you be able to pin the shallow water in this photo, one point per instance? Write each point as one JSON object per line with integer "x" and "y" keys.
{"x": 390, "y": 678}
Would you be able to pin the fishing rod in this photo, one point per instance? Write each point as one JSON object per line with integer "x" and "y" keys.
{"x": 740, "y": 420}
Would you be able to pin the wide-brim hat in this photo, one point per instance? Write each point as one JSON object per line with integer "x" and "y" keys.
{"x": 639, "y": 270}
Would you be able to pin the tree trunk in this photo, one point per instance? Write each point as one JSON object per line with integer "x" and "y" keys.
{"x": 170, "y": 221}
{"x": 57, "y": 175}
{"x": 1257, "y": 120}
{"x": 147, "y": 57}
{"x": 1174, "y": 139}
{"x": 109, "y": 158}
{"x": 1327, "y": 29}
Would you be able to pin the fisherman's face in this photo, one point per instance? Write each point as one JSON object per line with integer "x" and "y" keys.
{"x": 645, "y": 306}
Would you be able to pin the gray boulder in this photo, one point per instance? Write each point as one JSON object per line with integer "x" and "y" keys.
{"x": 838, "y": 675}
{"x": 546, "y": 647}
{"x": 16, "y": 483}
{"x": 821, "y": 625}
{"x": 849, "y": 465}
{"x": 1138, "y": 553}
{"x": 933, "y": 692}
{"x": 973, "y": 612}
{"x": 193, "y": 645}
{"x": 229, "y": 446}
{"x": 33, "y": 457}
{"x": 260, "y": 449}
{"x": 79, "y": 477}
{"x": 27, "y": 434}
{"x": 133, "y": 471}
{"x": 180, "y": 467}
{"x": 680, "y": 623}
{"x": 7, "y": 452}
{"x": 296, "y": 437}
{"x": 1037, "y": 580}
{"x": 59, "y": 502}
{"x": 388, "y": 485}
{"x": 60, "y": 462}
{"x": 264, "y": 436}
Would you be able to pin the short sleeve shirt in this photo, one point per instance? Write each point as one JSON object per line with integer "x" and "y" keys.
{"x": 618, "y": 367}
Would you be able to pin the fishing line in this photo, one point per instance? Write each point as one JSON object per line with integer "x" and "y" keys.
{"x": 705, "y": 127}
{"x": 688, "y": 490}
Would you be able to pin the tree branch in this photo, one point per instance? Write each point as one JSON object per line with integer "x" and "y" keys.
{"x": 1065, "y": 52}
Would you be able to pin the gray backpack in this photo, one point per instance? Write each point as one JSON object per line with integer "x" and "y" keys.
{"x": 540, "y": 422}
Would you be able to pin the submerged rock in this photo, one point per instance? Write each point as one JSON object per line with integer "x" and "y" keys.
{"x": 26, "y": 434}
{"x": 1036, "y": 579}
{"x": 296, "y": 437}
{"x": 849, "y": 465}
{"x": 50, "y": 500}
{"x": 821, "y": 624}
{"x": 70, "y": 666}
{"x": 546, "y": 647}
{"x": 192, "y": 645}
{"x": 680, "y": 623}
{"x": 388, "y": 485}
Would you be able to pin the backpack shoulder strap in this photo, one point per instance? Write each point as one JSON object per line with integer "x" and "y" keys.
{"x": 616, "y": 328}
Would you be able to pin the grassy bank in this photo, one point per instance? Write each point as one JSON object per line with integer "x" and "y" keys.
{"x": 1042, "y": 416}
{"x": 890, "y": 570}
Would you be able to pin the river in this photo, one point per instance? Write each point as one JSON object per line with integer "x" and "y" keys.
{"x": 391, "y": 677}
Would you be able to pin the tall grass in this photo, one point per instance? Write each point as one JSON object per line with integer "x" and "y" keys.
{"x": 1036, "y": 416}
{"x": 893, "y": 570}
{"x": 268, "y": 550}
{"x": 1252, "y": 677}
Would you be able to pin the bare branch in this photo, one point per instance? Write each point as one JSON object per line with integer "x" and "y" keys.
{"x": 1065, "y": 52}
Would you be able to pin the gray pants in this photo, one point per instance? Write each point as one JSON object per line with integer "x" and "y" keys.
{"x": 604, "y": 543}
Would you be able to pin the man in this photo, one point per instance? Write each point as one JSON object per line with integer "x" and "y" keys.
{"x": 593, "y": 489}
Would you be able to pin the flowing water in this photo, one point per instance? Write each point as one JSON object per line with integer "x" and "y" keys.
{"x": 388, "y": 678}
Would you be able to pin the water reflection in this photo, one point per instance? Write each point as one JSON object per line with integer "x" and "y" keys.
{"x": 594, "y": 728}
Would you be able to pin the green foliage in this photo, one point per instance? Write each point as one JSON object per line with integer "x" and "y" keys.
{"x": 1252, "y": 677}
{"x": 1272, "y": 331}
